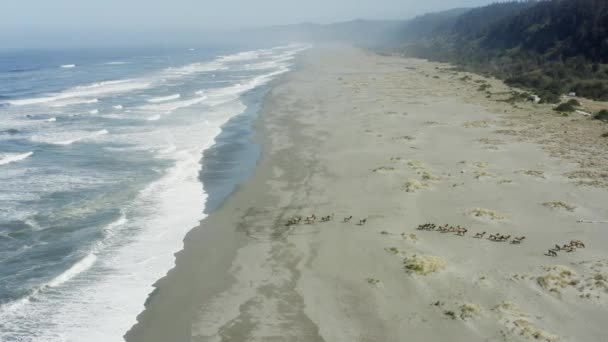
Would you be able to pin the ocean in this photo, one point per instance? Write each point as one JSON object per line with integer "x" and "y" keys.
{"x": 107, "y": 158}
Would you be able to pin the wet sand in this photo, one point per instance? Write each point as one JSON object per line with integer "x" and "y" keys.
{"x": 399, "y": 143}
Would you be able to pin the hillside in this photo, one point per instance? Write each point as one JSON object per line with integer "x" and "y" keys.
{"x": 553, "y": 46}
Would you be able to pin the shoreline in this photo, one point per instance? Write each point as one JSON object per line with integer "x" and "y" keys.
{"x": 195, "y": 243}
{"x": 397, "y": 142}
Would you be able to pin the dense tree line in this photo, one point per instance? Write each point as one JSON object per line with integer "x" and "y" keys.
{"x": 552, "y": 46}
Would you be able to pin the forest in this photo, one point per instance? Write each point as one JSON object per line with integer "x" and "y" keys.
{"x": 552, "y": 47}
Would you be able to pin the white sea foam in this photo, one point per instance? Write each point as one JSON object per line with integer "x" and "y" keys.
{"x": 136, "y": 265}
{"x": 7, "y": 158}
{"x": 72, "y": 102}
{"x": 154, "y": 117}
{"x": 68, "y": 66}
{"x": 53, "y": 119}
{"x": 94, "y": 111}
{"x": 76, "y": 269}
{"x": 168, "y": 107}
{"x": 111, "y": 228}
{"x": 95, "y": 89}
{"x": 78, "y": 137}
{"x": 192, "y": 69}
{"x": 241, "y": 56}
{"x": 79, "y": 267}
{"x": 116, "y": 63}
{"x": 119, "y": 107}
{"x": 164, "y": 98}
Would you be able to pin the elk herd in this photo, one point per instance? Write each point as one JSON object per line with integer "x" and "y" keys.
{"x": 568, "y": 248}
{"x": 312, "y": 219}
{"x": 515, "y": 240}
{"x": 458, "y": 230}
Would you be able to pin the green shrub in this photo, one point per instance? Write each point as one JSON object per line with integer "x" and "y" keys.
{"x": 564, "y": 108}
{"x": 602, "y": 115}
{"x": 484, "y": 87}
{"x": 574, "y": 103}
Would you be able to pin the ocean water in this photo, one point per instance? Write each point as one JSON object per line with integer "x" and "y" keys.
{"x": 102, "y": 174}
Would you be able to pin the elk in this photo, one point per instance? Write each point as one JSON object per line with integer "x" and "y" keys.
{"x": 577, "y": 244}
{"x": 518, "y": 240}
{"x": 480, "y": 235}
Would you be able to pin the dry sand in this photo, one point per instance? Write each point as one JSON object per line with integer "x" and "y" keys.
{"x": 399, "y": 142}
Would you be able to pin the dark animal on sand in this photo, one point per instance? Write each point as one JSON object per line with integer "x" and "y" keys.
{"x": 577, "y": 244}
{"x": 480, "y": 235}
{"x": 362, "y": 222}
{"x": 551, "y": 253}
{"x": 311, "y": 219}
{"x": 518, "y": 240}
{"x": 347, "y": 219}
{"x": 568, "y": 248}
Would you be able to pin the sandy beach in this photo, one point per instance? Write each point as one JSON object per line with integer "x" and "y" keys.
{"x": 405, "y": 147}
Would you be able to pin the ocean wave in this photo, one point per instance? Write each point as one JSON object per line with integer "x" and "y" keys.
{"x": 117, "y": 107}
{"x": 223, "y": 95}
{"x": 20, "y": 70}
{"x": 116, "y": 63}
{"x": 164, "y": 98}
{"x": 75, "y": 137}
{"x": 80, "y": 266}
{"x": 95, "y": 89}
{"x": 154, "y": 117}
{"x": 94, "y": 111}
{"x": 68, "y": 66}
{"x": 72, "y": 102}
{"x": 194, "y": 68}
{"x": 7, "y": 158}
{"x": 53, "y": 119}
{"x": 242, "y": 56}
{"x": 168, "y": 107}
{"x": 111, "y": 228}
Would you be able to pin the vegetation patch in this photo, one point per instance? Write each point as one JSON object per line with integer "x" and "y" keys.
{"x": 469, "y": 311}
{"x": 487, "y": 213}
{"x": 384, "y": 169}
{"x": 424, "y": 264}
{"x": 533, "y": 173}
{"x": 559, "y": 205}
{"x": 557, "y": 278}
{"x": 477, "y": 124}
{"x": 565, "y": 108}
{"x": 413, "y": 185}
{"x": 373, "y": 281}
{"x": 483, "y": 174}
{"x": 484, "y": 87}
{"x": 410, "y": 237}
{"x": 602, "y": 115}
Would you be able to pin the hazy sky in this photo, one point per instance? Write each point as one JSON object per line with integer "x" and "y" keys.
{"x": 37, "y": 19}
